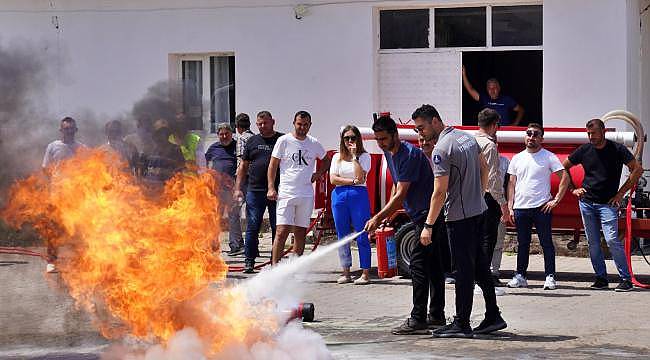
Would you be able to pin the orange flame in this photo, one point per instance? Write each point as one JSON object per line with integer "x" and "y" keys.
{"x": 141, "y": 266}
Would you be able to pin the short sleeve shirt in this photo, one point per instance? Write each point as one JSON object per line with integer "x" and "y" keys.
{"x": 345, "y": 169}
{"x": 533, "y": 172}
{"x": 410, "y": 164}
{"x": 297, "y": 164}
{"x": 58, "y": 151}
{"x": 457, "y": 155}
{"x": 603, "y": 169}
{"x": 257, "y": 152}
{"x": 503, "y": 105}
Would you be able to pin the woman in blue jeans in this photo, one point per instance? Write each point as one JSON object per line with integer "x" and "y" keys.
{"x": 350, "y": 203}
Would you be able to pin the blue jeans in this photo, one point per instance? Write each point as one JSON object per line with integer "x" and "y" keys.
{"x": 524, "y": 221}
{"x": 256, "y": 203}
{"x": 351, "y": 209}
{"x": 597, "y": 216}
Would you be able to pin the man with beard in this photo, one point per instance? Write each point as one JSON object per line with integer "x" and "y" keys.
{"x": 255, "y": 160}
{"x": 223, "y": 159}
{"x": 411, "y": 172}
{"x": 530, "y": 202}
{"x": 600, "y": 197}
{"x": 295, "y": 154}
{"x": 460, "y": 176}
{"x": 56, "y": 152}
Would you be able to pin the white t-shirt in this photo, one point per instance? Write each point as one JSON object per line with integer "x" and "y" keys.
{"x": 58, "y": 151}
{"x": 297, "y": 164}
{"x": 345, "y": 169}
{"x": 533, "y": 172}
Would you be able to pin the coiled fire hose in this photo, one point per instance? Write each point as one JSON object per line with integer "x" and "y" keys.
{"x": 633, "y": 121}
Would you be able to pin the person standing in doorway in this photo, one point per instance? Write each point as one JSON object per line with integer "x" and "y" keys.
{"x": 295, "y": 154}
{"x": 600, "y": 198}
{"x": 253, "y": 172}
{"x": 493, "y": 99}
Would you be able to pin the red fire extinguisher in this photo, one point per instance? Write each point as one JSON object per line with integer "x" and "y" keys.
{"x": 386, "y": 252}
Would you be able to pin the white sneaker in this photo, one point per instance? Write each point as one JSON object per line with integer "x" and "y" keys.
{"x": 362, "y": 281}
{"x": 51, "y": 269}
{"x": 344, "y": 280}
{"x": 549, "y": 284}
{"x": 518, "y": 281}
{"x": 497, "y": 291}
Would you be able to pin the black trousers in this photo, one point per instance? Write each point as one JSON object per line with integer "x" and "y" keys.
{"x": 472, "y": 265}
{"x": 427, "y": 274}
{"x": 491, "y": 225}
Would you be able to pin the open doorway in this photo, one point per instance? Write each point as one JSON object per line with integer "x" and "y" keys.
{"x": 520, "y": 74}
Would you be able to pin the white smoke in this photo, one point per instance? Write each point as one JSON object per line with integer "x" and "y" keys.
{"x": 282, "y": 285}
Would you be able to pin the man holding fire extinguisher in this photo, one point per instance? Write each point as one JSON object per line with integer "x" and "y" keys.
{"x": 411, "y": 172}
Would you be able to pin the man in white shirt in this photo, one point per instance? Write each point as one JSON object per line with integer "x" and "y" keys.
{"x": 295, "y": 153}
{"x": 530, "y": 202}
{"x": 57, "y": 151}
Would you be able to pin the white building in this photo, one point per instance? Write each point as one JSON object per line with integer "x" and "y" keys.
{"x": 574, "y": 59}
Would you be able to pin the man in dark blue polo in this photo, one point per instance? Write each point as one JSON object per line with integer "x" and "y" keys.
{"x": 493, "y": 99}
{"x": 411, "y": 172}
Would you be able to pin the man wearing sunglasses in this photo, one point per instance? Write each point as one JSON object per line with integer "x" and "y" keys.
{"x": 530, "y": 202}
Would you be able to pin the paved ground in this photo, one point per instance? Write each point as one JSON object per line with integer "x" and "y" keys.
{"x": 37, "y": 321}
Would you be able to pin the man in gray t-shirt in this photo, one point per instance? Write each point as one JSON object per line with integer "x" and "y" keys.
{"x": 460, "y": 175}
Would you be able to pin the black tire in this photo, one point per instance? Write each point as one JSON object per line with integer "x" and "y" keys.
{"x": 405, "y": 242}
{"x": 308, "y": 312}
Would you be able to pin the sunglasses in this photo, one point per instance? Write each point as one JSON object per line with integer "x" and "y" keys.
{"x": 350, "y": 138}
{"x": 533, "y": 133}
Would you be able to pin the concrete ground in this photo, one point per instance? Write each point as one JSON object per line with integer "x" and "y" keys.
{"x": 38, "y": 321}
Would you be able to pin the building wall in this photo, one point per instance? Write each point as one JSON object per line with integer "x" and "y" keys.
{"x": 105, "y": 55}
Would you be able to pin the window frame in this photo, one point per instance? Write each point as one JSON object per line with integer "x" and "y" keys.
{"x": 432, "y": 31}
{"x": 175, "y": 61}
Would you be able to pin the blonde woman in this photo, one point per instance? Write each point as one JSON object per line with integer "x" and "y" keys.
{"x": 350, "y": 203}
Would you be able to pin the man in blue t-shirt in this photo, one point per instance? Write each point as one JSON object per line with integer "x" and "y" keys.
{"x": 493, "y": 99}
{"x": 411, "y": 172}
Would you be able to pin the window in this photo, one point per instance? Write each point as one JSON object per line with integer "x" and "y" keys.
{"x": 208, "y": 89}
{"x": 404, "y": 29}
{"x": 460, "y": 27}
{"x": 517, "y": 25}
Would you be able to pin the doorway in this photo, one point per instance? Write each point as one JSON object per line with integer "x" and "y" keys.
{"x": 520, "y": 74}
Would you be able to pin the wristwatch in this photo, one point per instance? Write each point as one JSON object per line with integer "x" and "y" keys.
{"x": 428, "y": 226}
{"x": 355, "y": 181}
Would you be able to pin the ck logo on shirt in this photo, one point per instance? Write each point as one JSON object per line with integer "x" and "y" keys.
{"x": 299, "y": 158}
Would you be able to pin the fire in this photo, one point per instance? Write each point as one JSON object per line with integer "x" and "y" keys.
{"x": 141, "y": 266}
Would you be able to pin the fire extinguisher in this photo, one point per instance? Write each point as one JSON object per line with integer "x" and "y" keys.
{"x": 386, "y": 252}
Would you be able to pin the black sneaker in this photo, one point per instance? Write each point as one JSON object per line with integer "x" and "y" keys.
{"x": 410, "y": 327}
{"x": 625, "y": 285}
{"x": 453, "y": 330}
{"x": 487, "y": 326}
{"x": 434, "y": 322}
{"x": 600, "y": 284}
{"x": 497, "y": 282}
{"x": 235, "y": 252}
{"x": 249, "y": 266}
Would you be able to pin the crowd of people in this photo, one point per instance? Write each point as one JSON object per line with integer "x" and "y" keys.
{"x": 456, "y": 189}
